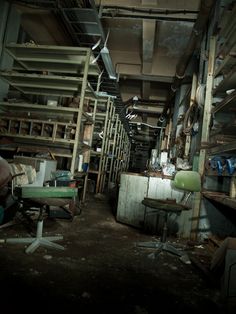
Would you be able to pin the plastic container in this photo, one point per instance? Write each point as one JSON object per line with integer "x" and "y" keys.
{"x": 85, "y": 166}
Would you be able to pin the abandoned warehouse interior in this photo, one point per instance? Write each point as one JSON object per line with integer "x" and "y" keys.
{"x": 118, "y": 156}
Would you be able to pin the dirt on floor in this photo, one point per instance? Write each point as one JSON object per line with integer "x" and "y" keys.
{"x": 102, "y": 270}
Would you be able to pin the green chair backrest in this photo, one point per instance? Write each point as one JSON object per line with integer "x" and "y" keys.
{"x": 187, "y": 180}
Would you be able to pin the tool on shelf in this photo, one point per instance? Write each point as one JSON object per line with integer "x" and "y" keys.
{"x": 218, "y": 163}
{"x": 231, "y": 165}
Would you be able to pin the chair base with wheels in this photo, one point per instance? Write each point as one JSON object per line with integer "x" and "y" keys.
{"x": 42, "y": 198}
{"x": 38, "y": 240}
{"x": 161, "y": 246}
{"x": 167, "y": 207}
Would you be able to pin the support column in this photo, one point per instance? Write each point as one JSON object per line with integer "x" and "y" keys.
{"x": 204, "y": 135}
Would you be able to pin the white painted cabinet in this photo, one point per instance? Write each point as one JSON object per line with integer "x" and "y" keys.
{"x": 133, "y": 189}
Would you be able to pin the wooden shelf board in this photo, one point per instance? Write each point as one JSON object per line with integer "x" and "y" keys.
{"x": 213, "y": 173}
{"x": 220, "y": 198}
{"x": 227, "y": 104}
{"x": 224, "y": 148}
{"x": 93, "y": 171}
{"x": 227, "y": 83}
{"x": 35, "y": 107}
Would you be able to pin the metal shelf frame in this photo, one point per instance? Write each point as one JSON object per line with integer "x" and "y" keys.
{"x": 226, "y": 105}
{"x": 47, "y": 85}
{"x": 59, "y": 71}
{"x": 56, "y": 59}
{"x": 225, "y": 74}
{"x": 115, "y": 140}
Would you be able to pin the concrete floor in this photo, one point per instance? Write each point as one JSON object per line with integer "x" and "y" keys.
{"x": 100, "y": 271}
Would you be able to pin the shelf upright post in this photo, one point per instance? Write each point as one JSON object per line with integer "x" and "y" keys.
{"x": 232, "y": 191}
{"x": 91, "y": 138}
{"x": 107, "y": 145}
{"x": 113, "y": 149}
{"x": 79, "y": 114}
{"x": 204, "y": 135}
{"x": 102, "y": 157}
{"x": 120, "y": 128}
{"x": 126, "y": 153}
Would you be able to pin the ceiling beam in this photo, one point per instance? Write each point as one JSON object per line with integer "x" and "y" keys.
{"x": 149, "y": 34}
{"x": 190, "y": 5}
{"x": 146, "y": 86}
{"x": 144, "y": 77}
{"x": 158, "y": 10}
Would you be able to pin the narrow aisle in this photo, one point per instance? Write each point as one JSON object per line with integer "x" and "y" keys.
{"x": 100, "y": 270}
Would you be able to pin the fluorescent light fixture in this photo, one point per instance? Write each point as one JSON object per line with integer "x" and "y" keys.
{"x": 105, "y": 94}
{"x": 108, "y": 63}
{"x": 97, "y": 44}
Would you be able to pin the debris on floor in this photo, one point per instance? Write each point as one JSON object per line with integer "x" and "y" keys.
{"x": 102, "y": 271}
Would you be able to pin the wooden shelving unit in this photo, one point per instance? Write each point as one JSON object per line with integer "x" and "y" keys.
{"x": 223, "y": 91}
{"x": 63, "y": 130}
{"x": 112, "y": 140}
{"x": 220, "y": 102}
{"x": 50, "y": 72}
{"x": 218, "y": 124}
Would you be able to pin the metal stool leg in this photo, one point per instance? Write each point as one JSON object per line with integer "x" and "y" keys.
{"x": 39, "y": 240}
{"x": 164, "y": 230}
{"x": 162, "y": 245}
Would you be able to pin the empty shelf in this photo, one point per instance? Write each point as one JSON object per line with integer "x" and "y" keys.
{"x": 58, "y": 59}
{"x": 49, "y": 85}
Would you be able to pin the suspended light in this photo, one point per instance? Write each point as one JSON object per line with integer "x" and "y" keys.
{"x": 108, "y": 63}
{"x": 107, "y": 59}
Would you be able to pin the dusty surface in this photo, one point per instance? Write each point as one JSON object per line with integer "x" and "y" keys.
{"x": 100, "y": 271}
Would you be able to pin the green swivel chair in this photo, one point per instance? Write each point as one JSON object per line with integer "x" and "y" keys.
{"x": 188, "y": 181}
